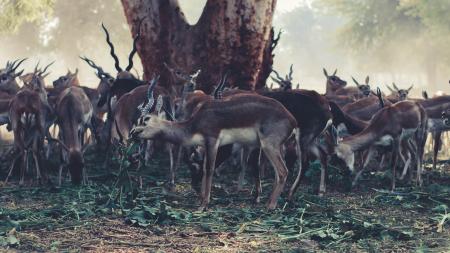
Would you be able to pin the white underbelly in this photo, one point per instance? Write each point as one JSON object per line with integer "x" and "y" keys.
{"x": 386, "y": 140}
{"x": 246, "y": 136}
{"x": 436, "y": 125}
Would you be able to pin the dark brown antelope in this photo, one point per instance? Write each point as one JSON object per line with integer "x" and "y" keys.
{"x": 245, "y": 119}
{"x": 390, "y": 126}
{"x": 284, "y": 83}
{"x": 125, "y": 81}
{"x": 334, "y": 83}
{"x": 27, "y": 117}
{"x": 74, "y": 112}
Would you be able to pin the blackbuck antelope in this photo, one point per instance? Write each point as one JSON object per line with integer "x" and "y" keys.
{"x": 27, "y": 117}
{"x": 125, "y": 81}
{"x": 389, "y": 127}
{"x": 74, "y": 112}
{"x": 284, "y": 83}
{"x": 8, "y": 75}
{"x": 250, "y": 120}
{"x": 398, "y": 94}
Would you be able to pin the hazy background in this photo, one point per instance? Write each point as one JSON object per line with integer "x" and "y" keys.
{"x": 402, "y": 41}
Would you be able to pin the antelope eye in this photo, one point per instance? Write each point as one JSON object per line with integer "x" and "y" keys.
{"x": 4, "y": 78}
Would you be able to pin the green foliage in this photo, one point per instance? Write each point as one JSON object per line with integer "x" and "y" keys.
{"x": 15, "y": 12}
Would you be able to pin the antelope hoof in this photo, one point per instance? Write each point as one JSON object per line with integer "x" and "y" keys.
{"x": 271, "y": 205}
{"x": 202, "y": 208}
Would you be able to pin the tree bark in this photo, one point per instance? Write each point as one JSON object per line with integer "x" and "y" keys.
{"x": 232, "y": 36}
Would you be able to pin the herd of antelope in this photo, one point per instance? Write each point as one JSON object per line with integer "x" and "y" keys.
{"x": 348, "y": 126}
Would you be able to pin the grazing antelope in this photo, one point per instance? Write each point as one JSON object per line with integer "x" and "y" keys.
{"x": 245, "y": 119}
{"x": 398, "y": 94}
{"x": 410, "y": 123}
{"x": 74, "y": 112}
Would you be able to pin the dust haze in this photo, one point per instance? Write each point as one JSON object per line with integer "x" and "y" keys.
{"x": 309, "y": 42}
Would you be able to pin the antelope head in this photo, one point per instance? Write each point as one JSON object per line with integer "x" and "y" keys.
{"x": 106, "y": 81}
{"x": 148, "y": 125}
{"x": 334, "y": 83}
{"x": 285, "y": 83}
{"x": 183, "y": 83}
{"x": 402, "y": 94}
{"x": 125, "y": 80}
{"x": 70, "y": 79}
{"x": 35, "y": 81}
{"x": 363, "y": 88}
{"x": 8, "y": 76}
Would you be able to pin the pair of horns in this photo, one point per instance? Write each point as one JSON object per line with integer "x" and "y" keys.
{"x": 150, "y": 96}
{"x": 288, "y": 77}
{"x": 11, "y": 67}
{"x": 132, "y": 53}
{"x": 42, "y": 72}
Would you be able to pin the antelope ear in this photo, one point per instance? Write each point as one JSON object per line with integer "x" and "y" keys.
{"x": 335, "y": 72}
{"x": 326, "y": 73}
{"x": 159, "y": 104}
{"x": 390, "y": 89}
{"x": 410, "y": 88}
{"x": 367, "y": 80}
{"x": 76, "y": 72}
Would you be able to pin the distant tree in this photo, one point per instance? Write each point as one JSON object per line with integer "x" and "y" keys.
{"x": 14, "y": 12}
{"x": 388, "y": 33}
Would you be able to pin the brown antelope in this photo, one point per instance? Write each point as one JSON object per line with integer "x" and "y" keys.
{"x": 245, "y": 119}
{"x": 284, "y": 83}
{"x": 74, "y": 112}
{"x": 434, "y": 108}
{"x": 354, "y": 126}
{"x": 398, "y": 94}
{"x": 334, "y": 83}
{"x": 391, "y": 125}
{"x": 8, "y": 88}
{"x": 364, "y": 108}
{"x": 8, "y": 75}
{"x": 28, "y": 122}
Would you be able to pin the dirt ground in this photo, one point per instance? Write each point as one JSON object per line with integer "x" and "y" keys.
{"x": 108, "y": 217}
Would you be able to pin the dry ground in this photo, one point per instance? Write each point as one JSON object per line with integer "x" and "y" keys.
{"x": 366, "y": 219}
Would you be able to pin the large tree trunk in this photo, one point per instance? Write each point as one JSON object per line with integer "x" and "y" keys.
{"x": 231, "y": 36}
